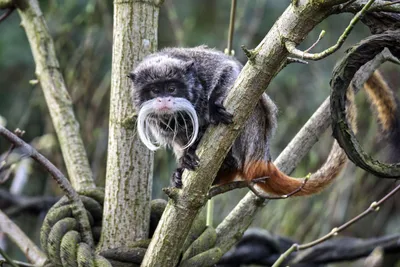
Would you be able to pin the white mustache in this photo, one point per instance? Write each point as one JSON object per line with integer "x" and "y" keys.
{"x": 148, "y": 111}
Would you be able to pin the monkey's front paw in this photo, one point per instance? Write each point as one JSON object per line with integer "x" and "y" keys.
{"x": 189, "y": 161}
{"x": 218, "y": 114}
{"x": 176, "y": 178}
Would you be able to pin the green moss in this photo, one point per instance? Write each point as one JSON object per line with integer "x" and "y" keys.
{"x": 129, "y": 123}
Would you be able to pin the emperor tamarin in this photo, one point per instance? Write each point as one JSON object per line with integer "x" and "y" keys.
{"x": 179, "y": 92}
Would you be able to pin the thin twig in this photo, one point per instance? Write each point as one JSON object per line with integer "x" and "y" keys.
{"x": 220, "y": 189}
{"x": 231, "y": 28}
{"x": 266, "y": 196}
{"x": 321, "y": 35}
{"x": 31, "y": 251}
{"x": 80, "y": 211}
{"x": 7, "y": 14}
{"x": 291, "y": 46}
{"x": 7, "y": 258}
{"x": 335, "y": 231}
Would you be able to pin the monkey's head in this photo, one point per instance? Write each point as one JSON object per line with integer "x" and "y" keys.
{"x": 163, "y": 93}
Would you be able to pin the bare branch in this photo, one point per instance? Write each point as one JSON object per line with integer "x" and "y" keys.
{"x": 79, "y": 210}
{"x": 291, "y": 46}
{"x": 31, "y": 251}
{"x": 15, "y": 204}
{"x": 7, "y": 14}
{"x": 56, "y": 94}
{"x": 335, "y": 231}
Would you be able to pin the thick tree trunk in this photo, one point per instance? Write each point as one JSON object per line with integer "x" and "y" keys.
{"x": 130, "y": 163}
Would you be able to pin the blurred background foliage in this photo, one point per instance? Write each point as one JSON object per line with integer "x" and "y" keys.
{"x": 82, "y": 32}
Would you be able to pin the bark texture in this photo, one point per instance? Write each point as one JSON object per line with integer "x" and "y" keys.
{"x": 264, "y": 63}
{"x": 130, "y": 163}
{"x": 56, "y": 94}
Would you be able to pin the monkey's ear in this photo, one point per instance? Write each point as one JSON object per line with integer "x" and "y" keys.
{"x": 132, "y": 76}
{"x": 189, "y": 66}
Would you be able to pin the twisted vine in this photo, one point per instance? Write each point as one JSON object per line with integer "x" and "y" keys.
{"x": 343, "y": 73}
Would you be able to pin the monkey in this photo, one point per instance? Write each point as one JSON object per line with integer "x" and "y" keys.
{"x": 179, "y": 92}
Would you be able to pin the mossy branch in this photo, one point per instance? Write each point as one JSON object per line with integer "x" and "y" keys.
{"x": 291, "y": 46}
{"x": 56, "y": 94}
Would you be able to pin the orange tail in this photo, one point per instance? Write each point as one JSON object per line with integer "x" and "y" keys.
{"x": 279, "y": 184}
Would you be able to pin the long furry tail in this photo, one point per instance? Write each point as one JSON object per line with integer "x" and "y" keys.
{"x": 386, "y": 106}
{"x": 279, "y": 184}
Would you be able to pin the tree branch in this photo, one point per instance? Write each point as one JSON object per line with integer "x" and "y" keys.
{"x": 56, "y": 94}
{"x": 334, "y": 232}
{"x": 291, "y": 46}
{"x": 15, "y": 204}
{"x": 31, "y": 251}
{"x": 79, "y": 210}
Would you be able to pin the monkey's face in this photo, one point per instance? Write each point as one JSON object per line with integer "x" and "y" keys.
{"x": 165, "y": 113}
{"x": 164, "y": 93}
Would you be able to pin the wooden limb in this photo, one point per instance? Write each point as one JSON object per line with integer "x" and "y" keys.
{"x": 291, "y": 46}
{"x": 6, "y": 14}
{"x": 220, "y": 189}
{"x": 335, "y": 231}
{"x": 56, "y": 94}
{"x": 265, "y": 196}
{"x": 31, "y": 251}
{"x": 79, "y": 210}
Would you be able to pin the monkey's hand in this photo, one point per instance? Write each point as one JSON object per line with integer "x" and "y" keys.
{"x": 218, "y": 114}
{"x": 176, "y": 178}
{"x": 189, "y": 160}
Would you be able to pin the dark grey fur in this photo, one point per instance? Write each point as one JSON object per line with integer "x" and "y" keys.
{"x": 208, "y": 76}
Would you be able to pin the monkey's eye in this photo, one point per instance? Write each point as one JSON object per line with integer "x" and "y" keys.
{"x": 155, "y": 90}
{"x": 171, "y": 89}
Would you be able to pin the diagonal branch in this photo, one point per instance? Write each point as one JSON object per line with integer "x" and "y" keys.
{"x": 56, "y": 94}
{"x": 291, "y": 46}
{"x": 79, "y": 210}
{"x": 31, "y": 251}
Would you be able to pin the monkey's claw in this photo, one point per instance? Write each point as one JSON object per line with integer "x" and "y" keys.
{"x": 176, "y": 178}
{"x": 218, "y": 114}
{"x": 189, "y": 161}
